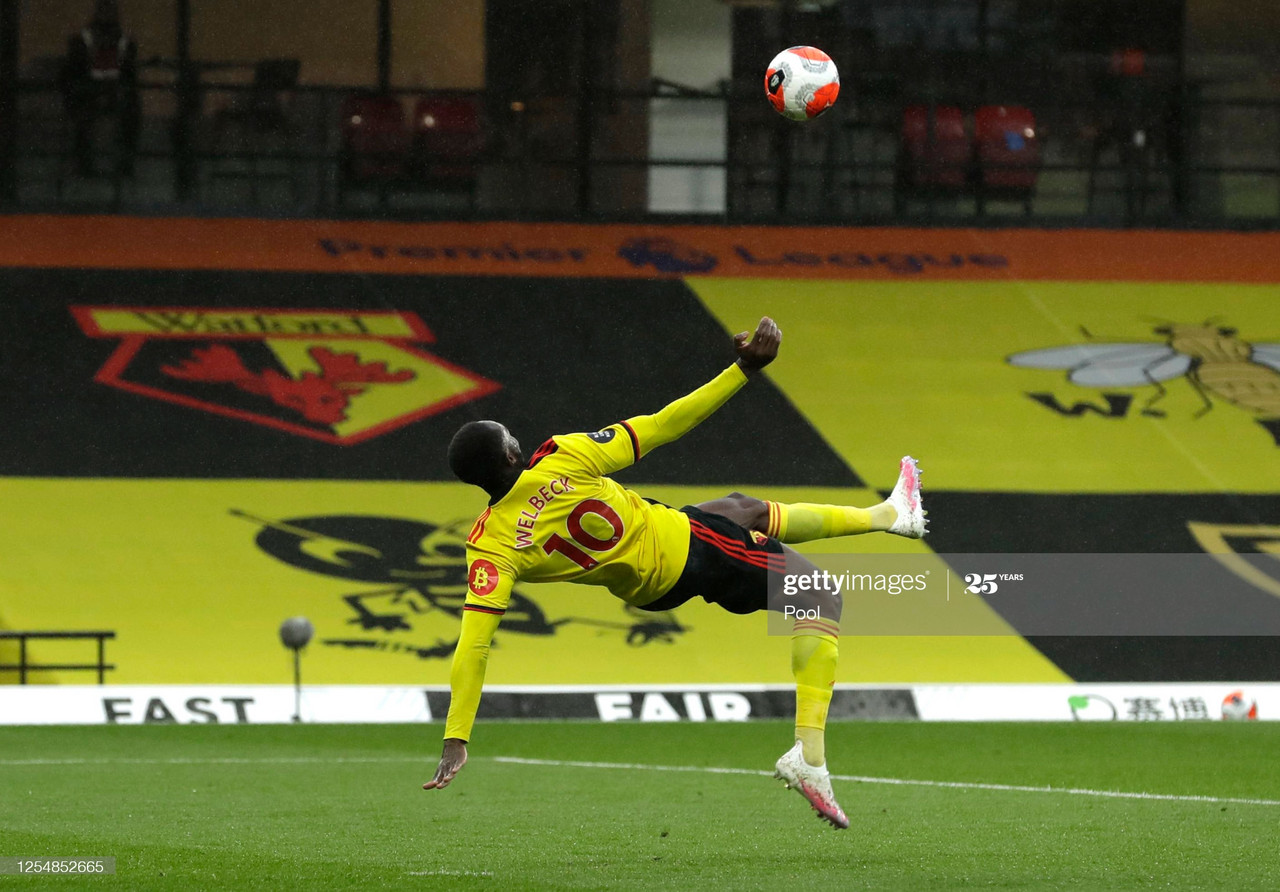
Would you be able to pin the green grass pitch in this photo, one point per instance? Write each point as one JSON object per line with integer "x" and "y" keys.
{"x": 338, "y": 807}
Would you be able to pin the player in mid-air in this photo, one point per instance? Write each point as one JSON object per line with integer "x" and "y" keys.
{"x": 558, "y": 516}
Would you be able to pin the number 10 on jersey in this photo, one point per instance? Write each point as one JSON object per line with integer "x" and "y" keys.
{"x": 581, "y": 539}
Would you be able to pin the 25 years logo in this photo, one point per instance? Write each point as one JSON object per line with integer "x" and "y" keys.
{"x": 988, "y": 583}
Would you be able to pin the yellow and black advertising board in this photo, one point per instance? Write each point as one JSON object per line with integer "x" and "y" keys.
{"x": 213, "y": 425}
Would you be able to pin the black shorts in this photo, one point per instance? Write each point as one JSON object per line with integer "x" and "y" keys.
{"x": 728, "y": 565}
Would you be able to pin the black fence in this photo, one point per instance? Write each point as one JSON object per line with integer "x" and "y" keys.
{"x": 24, "y": 666}
{"x": 269, "y": 147}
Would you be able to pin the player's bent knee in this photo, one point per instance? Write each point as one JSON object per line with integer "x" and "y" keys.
{"x": 834, "y": 607}
{"x": 752, "y": 513}
{"x": 743, "y": 510}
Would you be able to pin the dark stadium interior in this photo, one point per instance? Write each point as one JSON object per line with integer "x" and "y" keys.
{"x": 1147, "y": 112}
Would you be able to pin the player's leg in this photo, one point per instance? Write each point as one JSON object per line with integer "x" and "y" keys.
{"x": 902, "y": 513}
{"x": 815, "y": 651}
{"x": 740, "y": 569}
{"x": 801, "y": 521}
{"x": 815, "y": 642}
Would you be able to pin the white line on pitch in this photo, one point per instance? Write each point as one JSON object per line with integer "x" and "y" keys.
{"x": 898, "y": 781}
{"x": 283, "y": 760}
{"x": 631, "y": 766}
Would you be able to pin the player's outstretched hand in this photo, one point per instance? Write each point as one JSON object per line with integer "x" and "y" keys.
{"x": 762, "y": 349}
{"x": 451, "y": 762}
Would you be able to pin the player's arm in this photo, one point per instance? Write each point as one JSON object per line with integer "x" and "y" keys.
{"x": 488, "y": 592}
{"x": 644, "y": 433}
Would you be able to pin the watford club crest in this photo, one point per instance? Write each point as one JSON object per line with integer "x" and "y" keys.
{"x": 340, "y": 377}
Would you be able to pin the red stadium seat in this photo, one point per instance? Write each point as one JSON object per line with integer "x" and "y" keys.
{"x": 935, "y": 147}
{"x": 448, "y": 140}
{"x": 1008, "y": 147}
{"x": 1129, "y": 62}
{"x": 374, "y": 139}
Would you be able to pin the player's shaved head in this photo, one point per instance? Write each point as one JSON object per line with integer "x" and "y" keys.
{"x": 480, "y": 453}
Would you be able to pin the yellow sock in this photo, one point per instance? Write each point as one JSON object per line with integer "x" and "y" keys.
{"x": 812, "y": 744}
{"x": 803, "y": 521}
{"x": 814, "y": 652}
{"x": 882, "y": 516}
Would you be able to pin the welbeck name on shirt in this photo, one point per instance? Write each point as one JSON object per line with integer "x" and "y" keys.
{"x": 526, "y": 520}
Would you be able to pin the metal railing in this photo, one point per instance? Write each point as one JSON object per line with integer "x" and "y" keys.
{"x": 538, "y": 163}
{"x": 24, "y": 666}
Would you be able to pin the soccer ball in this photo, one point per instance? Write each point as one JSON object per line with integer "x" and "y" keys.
{"x": 802, "y": 82}
{"x": 1236, "y": 708}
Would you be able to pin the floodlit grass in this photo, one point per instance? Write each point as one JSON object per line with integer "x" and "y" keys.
{"x": 336, "y": 807}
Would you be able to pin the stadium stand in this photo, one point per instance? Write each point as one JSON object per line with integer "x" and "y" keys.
{"x": 373, "y": 153}
{"x": 1008, "y": 153}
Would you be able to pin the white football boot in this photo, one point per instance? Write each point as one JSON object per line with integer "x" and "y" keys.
{"x": 814, "y": 784}
{"x": 907, "y": 501}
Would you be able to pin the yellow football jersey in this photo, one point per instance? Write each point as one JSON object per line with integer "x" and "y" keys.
{"x": 565, "y": 520}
